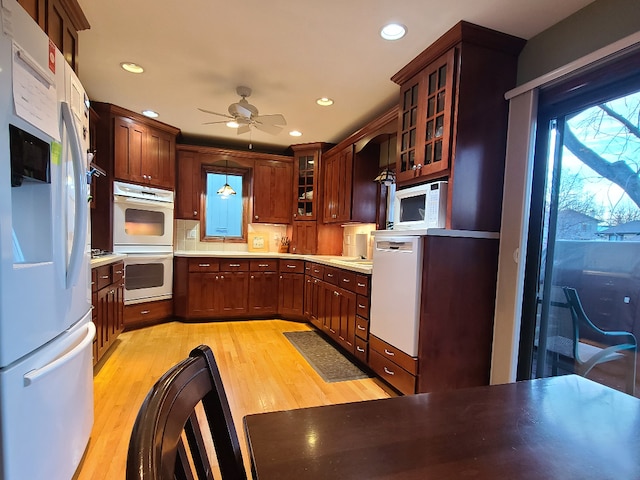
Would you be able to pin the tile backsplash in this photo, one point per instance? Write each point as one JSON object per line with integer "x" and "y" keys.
{"x": 187, "y": 238}
{"x": 356, "y": 238}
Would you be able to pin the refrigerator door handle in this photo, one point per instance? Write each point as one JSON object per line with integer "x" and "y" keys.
{"x": 81, "y": 339}
{"x": 80, "y": 215}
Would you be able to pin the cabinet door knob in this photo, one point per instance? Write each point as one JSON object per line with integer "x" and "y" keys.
{"x": 195, "y": 212}
{"x": 256, "y": 217}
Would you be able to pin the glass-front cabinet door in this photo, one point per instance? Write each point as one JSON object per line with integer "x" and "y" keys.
{"x": 426, "y": 115}
{"x": 305, "y": 184}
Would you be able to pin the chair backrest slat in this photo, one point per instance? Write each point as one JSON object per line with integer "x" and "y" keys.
{"x": 156, "y": 449}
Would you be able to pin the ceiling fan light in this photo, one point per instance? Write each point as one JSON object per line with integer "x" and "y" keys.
{"x": 233, "y": 124}
{"x": 226, "y": 191}
{"x": 295, "y": 133}
{"x": 393, "y": 31}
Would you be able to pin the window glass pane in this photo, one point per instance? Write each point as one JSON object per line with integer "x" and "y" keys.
{"x": 223, "y": 214}
{"x": 442, "y": 76}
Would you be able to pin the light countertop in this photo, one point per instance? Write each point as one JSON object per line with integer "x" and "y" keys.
{"x": 106, "y": 259}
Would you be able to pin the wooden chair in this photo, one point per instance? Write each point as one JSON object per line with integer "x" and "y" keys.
{"x": 571, "y": 354}
{"x": 168, "y": 415}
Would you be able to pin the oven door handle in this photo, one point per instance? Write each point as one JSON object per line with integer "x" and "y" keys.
{"x": 142, "y": 201}
{"x": 146, "y": 257}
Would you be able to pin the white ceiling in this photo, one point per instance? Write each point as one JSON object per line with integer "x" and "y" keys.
{"x": 195, "y": 53}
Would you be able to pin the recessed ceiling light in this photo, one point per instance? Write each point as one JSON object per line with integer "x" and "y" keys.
{"x": 324, "y": 101}
{"x": 295, "y": 133}
{"x": 233, "y": 124}
{"x": 150, "y": 113}
{"x": 132, "y": 67}
{"x": 393, "y": 31}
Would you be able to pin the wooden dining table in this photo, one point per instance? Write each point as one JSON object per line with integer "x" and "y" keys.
{"x": 563, "y": 427}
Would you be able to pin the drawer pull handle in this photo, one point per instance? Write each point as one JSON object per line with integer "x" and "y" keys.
{"x": 262, "y": 265}
{"x": 316, "y": 271}
{"x": 361, "y": 284}
{"x": 391, "y": 354}
{"x": 360, "y": 349}
{"x": 118, "y": 272}
{"x": 234, "y": 264}
{"x": 204, "y": 265}
{"x": 360, "y": 327}
{"x": 104, "y": 276}
{"x": 144, "y": 312}
{"x": 388, "y": 372}
{"x": 361, "y": 306}
{"x": 330, "y": 275}
{"x": 291, "y": 266}
{"x": 346, "y": 280}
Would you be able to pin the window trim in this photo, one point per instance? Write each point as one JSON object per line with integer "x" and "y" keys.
{"x": 245, "y": 172}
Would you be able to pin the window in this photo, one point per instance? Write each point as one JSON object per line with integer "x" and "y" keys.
{"x": 225, "y": 216}
{"x": 585, "y": 234}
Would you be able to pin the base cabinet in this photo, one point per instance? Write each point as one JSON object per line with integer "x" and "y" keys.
{"x": 263, "y": 287}
{"x": 108, "y": 302}
{"x": 291, "y": 289}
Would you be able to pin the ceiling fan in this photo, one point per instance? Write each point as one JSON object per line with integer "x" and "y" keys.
{"x": 246, "y": 116}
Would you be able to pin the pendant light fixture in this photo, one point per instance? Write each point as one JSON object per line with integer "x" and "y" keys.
{"x": 387, "y": 176}
{"x": 226, "y": 190}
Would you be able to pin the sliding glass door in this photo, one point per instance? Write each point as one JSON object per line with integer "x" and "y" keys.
{"x": 581, "y": 312}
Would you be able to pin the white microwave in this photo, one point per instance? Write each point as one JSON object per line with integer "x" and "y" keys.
{"x": 420, "y": 207}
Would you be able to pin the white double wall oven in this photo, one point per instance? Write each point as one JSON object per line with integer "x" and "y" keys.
{"x": 143, "y": 229}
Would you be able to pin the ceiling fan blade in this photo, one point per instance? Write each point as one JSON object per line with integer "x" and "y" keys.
{"x": 213, "y": 123}
{"x": 243, "y": 129}
{"x": 265, "y": 127}
{"x": 275, "y": 119}
{"x": 215, "y": 113}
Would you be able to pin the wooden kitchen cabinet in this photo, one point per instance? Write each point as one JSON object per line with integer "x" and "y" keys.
{"x": 349, "y": 189}
{"x": 272, "y": 184}
{"x": 291, "y": 288}
{"x": 61, "y": 20}
{"x": 233, "y": 287}
{"x": 143, "y": 154}
{"x": 452, "y": 121}
{"x": 145, "y": 314}
{"x": 108, "y": 302}
{"x": 188, "y": 180}
{"x": 263, "y": 287}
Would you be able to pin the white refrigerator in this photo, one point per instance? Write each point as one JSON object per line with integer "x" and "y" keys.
{"x": 46, "y": 333}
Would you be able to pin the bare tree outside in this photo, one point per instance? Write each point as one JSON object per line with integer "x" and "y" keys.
{"x": 604, "y": 183}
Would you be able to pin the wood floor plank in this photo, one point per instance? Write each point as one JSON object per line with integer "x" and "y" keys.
{"x": 260, "y": 369}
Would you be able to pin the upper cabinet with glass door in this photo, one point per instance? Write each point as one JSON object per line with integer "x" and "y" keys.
{"x": 425, "y": 123}
{"x": 453, "y": 121}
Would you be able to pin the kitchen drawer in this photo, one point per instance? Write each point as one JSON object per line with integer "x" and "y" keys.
{"x": 147, "y": 313}
{"x": 204, "y": 265}
{"x": 264, "y": 265}
{"x": 362, "y": 306}
{"x": 402, "y": 359}
{"x": 117, "y": 271}
{"x": 392, "y": 373}
{"x": 331, "y": 275}
{"x": 234, "y": 265}
{"x": 317, "y": 270}
{"x": 291, "y": 266}
{"x": 362, "y": 349}
{"x": 347, "y": 280}
{"x": 362, "y": 328}
{"x": 362, "y": 284}
{"x": 103, "y": 276}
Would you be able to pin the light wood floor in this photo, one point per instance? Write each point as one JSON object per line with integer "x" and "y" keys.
{"x": 260, "y": 369}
